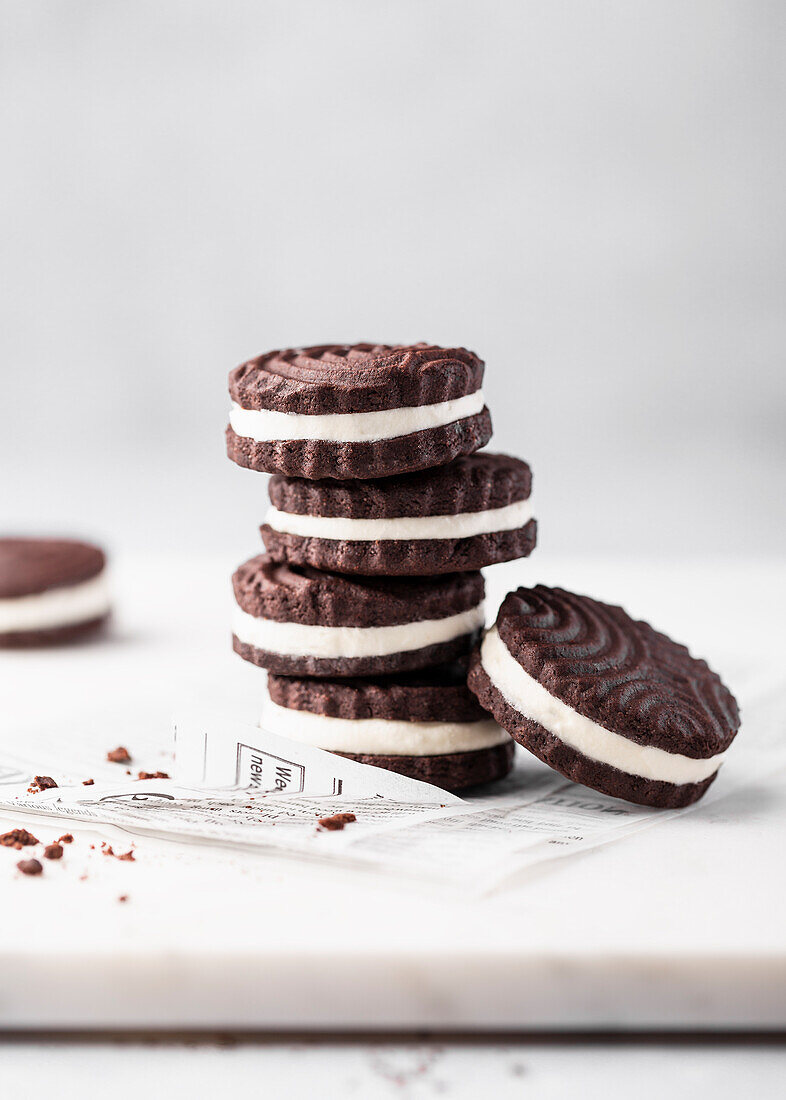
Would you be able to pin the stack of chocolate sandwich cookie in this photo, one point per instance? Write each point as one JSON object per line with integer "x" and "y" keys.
{"x": 369, "y": 600}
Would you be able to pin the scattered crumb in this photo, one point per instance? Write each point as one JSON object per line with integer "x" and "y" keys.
{"x": 127, "y": 857}
{"x": 152, "y": 775}
{"x": 123, "y": 897}
{"x": 337, "y": 821}
{"x": 66, "y": 838}
{"x": 53, "y": 851}
{"x": 17, "y": 838}
{"x": 83, "y": 878}
{"x": 88, "y": 782}
{"x": 44, "y": 782}
{"x": 120, "y": 755}
{"x": 30, "y": 866}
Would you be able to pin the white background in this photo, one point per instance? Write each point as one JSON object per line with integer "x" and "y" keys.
{"x": 588, "y": 194}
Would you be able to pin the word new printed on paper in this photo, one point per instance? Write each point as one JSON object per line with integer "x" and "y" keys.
{"x": 224, "y": 753}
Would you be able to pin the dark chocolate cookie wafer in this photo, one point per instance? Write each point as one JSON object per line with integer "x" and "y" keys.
{"x": 604, "y": 699}
{"x": 452, "y": 771}
{"x": 472, "y": 513}
{"x": 356, "y": 411}
{"x": 425, "y": 725}
{"x": 299, "y": 621}
{"x": 51, "y": 590}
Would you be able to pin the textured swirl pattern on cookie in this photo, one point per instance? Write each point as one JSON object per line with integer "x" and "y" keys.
{"x": 346, "y": 378}
{"x": 301, "y": 594}
{"x": 618, "y": 672}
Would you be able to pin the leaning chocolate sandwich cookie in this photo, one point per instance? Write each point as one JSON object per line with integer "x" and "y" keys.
{"x": 604, "y": 699}
{"x": 356, "y": 411}
{"x": 426, "y": 725}
{"x": 51, "y": 590}
{"x": 472, "y": 513}
{"x": 298, "y": 621}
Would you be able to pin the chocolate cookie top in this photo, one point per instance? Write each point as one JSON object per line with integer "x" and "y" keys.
{"x": 434, "y": 695}
{"x": 31, "y": 566}
{"x": 300, "y": 594}
{"x": 618, "y": 672}
{"x": 343, "y": 378}
{"x": 475, "y": 483}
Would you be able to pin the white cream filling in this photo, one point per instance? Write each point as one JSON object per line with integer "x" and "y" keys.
{"x": 530, "y": 698}
{"x": 264, "y": 425}
{"x": 458, "y": 526}
{"x": 381, "y": 736}
{"x": 302, "y": 640}
{"x": 62, "y": 606}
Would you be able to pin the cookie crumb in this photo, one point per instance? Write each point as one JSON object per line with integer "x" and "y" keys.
{"x": 120, "y": 755}
{"x": 88, "y": 782}
{"x": 17, "y": 838}
{"x": 44, "y": 782}
{"x": 30, "y": 866}
{"x": 123, "y": 897}
{"x": 152, "y": 775}
{"x": 337, "y": 821}
{"x": 127, "y": 857}
{"x": 66, "y": 838}
{"x": 53, "y": 851}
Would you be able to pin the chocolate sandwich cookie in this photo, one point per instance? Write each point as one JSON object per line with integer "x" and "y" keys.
{"x": 356, "y": 411}
{"x": 604, "y": 699}
{"x": 51, "y": 590}
{"x": 467, "y": 515}
{"x": 425, "y": 725}
{"x": 297, "y": 621}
